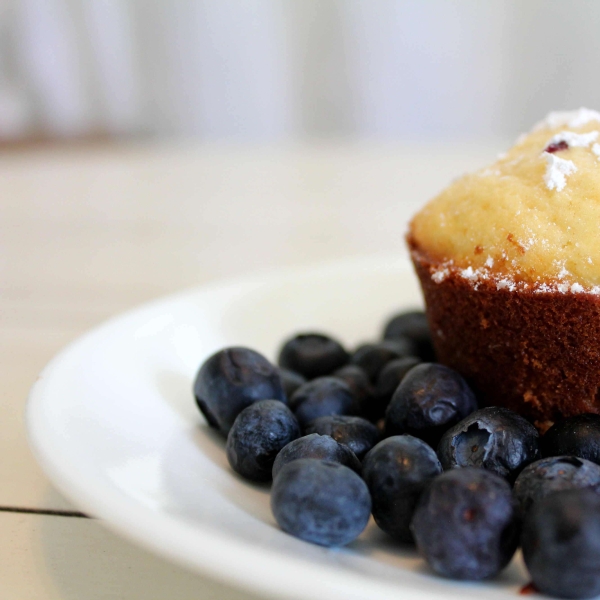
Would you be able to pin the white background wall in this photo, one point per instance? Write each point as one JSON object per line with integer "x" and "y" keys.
{"x": 273, "y": 69}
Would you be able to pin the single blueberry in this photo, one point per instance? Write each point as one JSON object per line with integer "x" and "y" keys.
{"x": 430, "y": 399}
{"x": 554, "y": 474}
{"x": 321, "y": 502}
{"x": 259, "y": 432}
{"x": 493, "y": 438}
{"x": 232, "y": 379}
{"x": 360, "y": 386}
{"x": 396, "y": 472}
{"x": 412, "y": 325}
{"x": 312, "y": 355}
{"x": 574, "y": 436}
{"x": 373, "y": 357}
{"x": 322, "y": 447}
{"x": 561, "y": 544}
{"x": 466, "y": 524}
{"x": 358, "y": 434}
{"x": 404, "y": 346}
{"x": 291, "y": 381}
{"x": 322, "y": 397}
{"x": 390, "y": 377}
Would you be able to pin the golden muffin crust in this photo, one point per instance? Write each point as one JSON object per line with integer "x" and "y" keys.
{"x": 530, "y": 221}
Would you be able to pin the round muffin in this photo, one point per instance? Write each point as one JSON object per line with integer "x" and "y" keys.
{"x": 509, "y": 262}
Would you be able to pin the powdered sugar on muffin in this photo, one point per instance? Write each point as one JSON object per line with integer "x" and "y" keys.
{"x": 530, "y": 220}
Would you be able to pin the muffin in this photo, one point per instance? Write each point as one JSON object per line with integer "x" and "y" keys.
{"x": 509, "y": 263}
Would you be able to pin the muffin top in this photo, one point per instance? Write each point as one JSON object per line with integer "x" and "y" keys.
{"x": 529, "y": 221}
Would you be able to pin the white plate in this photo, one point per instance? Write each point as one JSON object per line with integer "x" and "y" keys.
{"x": 113, "y": 422}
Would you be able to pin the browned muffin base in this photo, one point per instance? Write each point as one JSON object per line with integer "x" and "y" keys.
{"x": 538, "y": 354}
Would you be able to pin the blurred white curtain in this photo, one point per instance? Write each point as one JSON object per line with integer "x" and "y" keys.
{"x": 420, "y": 70}
{"x": 272, "y": 69}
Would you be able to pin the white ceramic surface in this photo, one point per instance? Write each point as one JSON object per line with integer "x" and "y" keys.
{"x": 113, "y": 422}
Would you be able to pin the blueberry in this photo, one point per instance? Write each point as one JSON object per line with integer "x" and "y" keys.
{"x": 323, "y": 447}
{"x": 358, "y": 434}
{"x": 466, "y": 524}
{"x": 360, "y": 386}
{"x": 396, "y": 471}
{"x": 561, "y": 544}
{"x": 554, "y": 474}
{"x": 402, "y": 345}
{"x": 493, "y": 438}
{"x": 430, "y": 399}
{"x": 574, "y": 436}
{"x": 259, "y": 432}
{"x": 391, "y": 376}
{"x": 321, "y": 502}
{"x": 232, "y": 379}
{"x": 312, "y": 355}
{"x": 320, "y": 398}
{"x": 291, "y": 381}
{"x": 412, "y": 325}
{"x": 373, "y": 357}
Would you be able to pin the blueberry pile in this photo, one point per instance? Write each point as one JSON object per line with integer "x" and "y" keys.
{"x": 386, "y": 431}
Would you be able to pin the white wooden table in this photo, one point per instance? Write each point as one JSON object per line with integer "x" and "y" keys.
{"x": 88, "y": 233}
